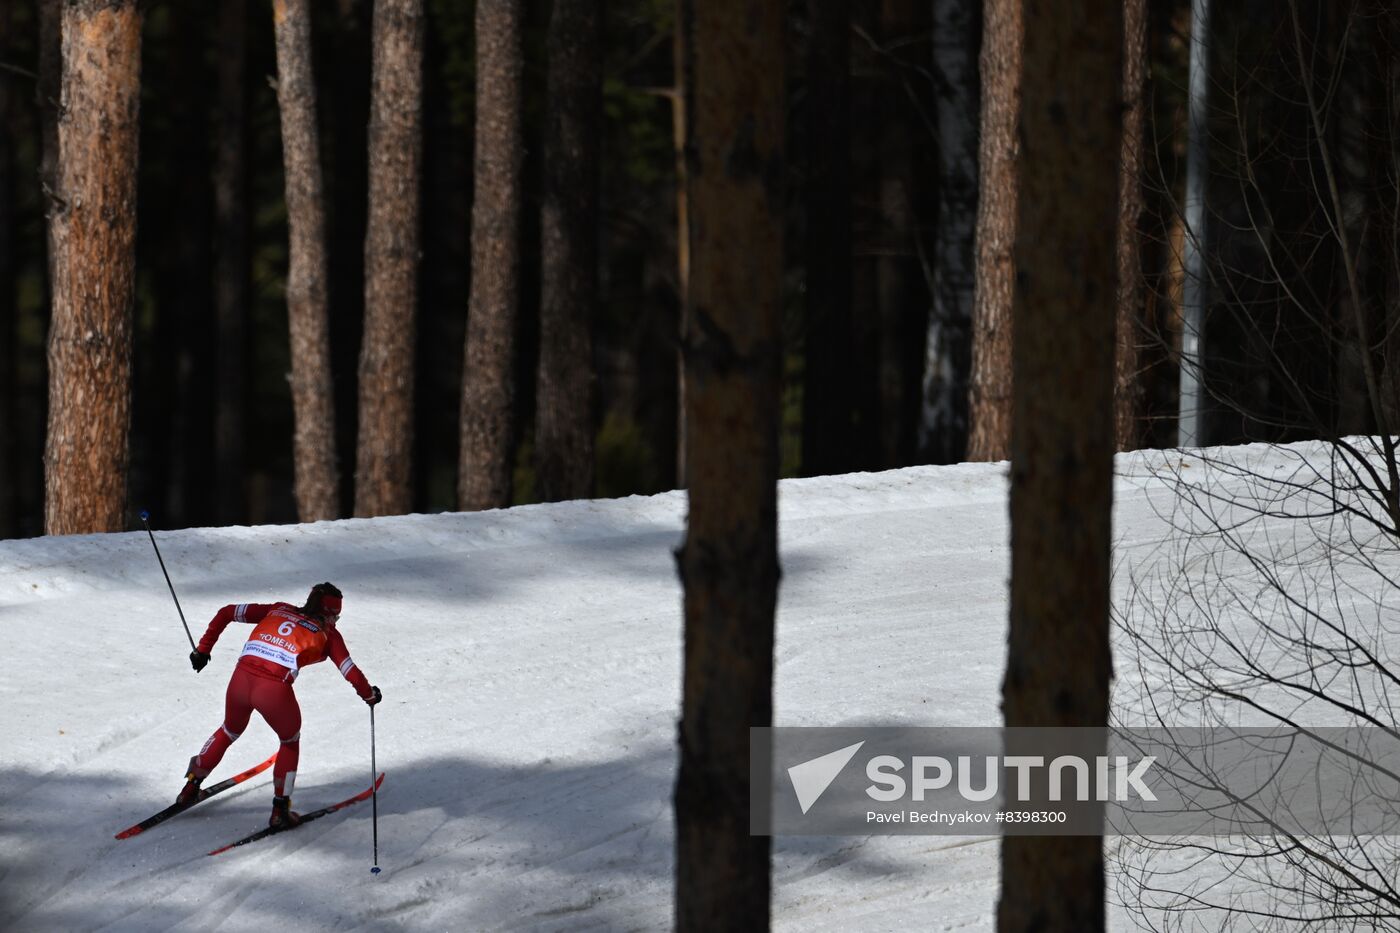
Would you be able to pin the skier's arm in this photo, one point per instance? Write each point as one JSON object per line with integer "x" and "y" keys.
{"x": 251, "y": 613}
{"x": 340, "y": 657}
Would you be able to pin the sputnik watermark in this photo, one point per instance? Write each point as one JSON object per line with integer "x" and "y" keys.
{"x": 966, "y": 818}
{"x": 928, "y": 773}
{"x": 811, "y": 778}
{"x": 1073, "y": 781}
{"x": 1118, "y": 780}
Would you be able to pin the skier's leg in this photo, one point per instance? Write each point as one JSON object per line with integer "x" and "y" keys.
{"x": 237, "y": 709}
{"x": 278, "y": 705}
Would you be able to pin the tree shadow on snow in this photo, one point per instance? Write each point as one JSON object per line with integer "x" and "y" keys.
{"x": 464, "y": 844}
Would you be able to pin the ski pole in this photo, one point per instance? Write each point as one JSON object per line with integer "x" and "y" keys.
{"x": 374, "y": 796}
{"x": 145, "y": 516}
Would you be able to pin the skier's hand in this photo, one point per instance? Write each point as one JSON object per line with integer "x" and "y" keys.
{"x": 198, "y": 659}
{"x": 374, "y": 696}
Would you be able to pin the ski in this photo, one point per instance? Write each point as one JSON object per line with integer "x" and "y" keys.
{"x": 204, "y": 794}
{"x": 305, "y": 817}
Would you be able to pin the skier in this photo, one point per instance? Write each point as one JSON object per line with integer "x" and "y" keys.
{"x": 285, "y": 638}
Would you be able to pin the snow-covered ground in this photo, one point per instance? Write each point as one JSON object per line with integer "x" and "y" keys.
{"x": 530, "y": 665}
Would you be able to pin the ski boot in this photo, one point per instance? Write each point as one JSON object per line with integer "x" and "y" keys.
{"x": 282, "y": 815}
{"x": 190, "y": 792}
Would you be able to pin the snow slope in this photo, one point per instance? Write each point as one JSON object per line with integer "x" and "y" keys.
{"x": 530, "y": 663}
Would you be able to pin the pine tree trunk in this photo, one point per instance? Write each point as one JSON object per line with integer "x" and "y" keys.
{"x": 9, "y": 297}
{"x": 93, "y": 234}
{"x": 733, "y": 58}
{"x": 569, "y": 240}
{"x": 232, "y": 293}
{"x": 1058, "y": 659}
{"x": 47, "y": 90}
{"x": 313, "y": 447}
{"x": 1129, "y": 388}
{"x": 989, "y": 390}
{"x": 947, "y": 358}
{"x": 384, "y": 471}
{"x": 31, "y": 415}
{"x": 678, "y": 140}
{"x": 488, "y": 377}
{"x": 827, "y": 390}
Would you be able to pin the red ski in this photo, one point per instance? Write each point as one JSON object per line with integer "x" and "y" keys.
{"x": 305, "y": 817}
{"x": 204, "y": 794}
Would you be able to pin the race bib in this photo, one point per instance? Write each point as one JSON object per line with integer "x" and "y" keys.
{"x": 281, "y": 638}
{"x": 270, "y": 652}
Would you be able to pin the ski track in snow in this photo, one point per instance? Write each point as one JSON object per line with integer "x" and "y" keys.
{"x": 530, "y": 663}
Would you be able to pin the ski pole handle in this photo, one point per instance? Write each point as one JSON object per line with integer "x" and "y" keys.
{"x": 145, "y": 520}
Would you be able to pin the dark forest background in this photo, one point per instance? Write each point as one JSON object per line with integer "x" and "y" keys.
{"x": 176, "y": 349}
{"x": 854, "y": 397}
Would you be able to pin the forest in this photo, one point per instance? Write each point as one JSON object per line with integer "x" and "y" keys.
{"x": 897, "y": 190}
{"x": 879, "y": 203}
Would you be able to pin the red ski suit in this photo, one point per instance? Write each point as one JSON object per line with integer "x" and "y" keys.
{"x": 283, "y": 641}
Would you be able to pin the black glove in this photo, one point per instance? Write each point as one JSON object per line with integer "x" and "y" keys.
{"x": 374, "y": 696}
{"x": 198, "y": 659}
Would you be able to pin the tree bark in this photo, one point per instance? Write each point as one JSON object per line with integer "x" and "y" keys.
{"x": 733, "y": 57}
{"x": 569, "y": 239}
{"x": 827, "y": 434}
{"x": 1129, "y": 389}
{"x": 32, "y": 419}
{"x": 944, "y": 424}
{"x": 488, "y": 378}
{"x": 678, "y": 139}
{"x": 384, "y": 470}
{"x": 9, "y": 296}
{"x": 989, "y": 391}
{"x": 48, "y": 89}
{"x": 232, "y": 292}
{"x": 93, "y": 234}
{"x": 1058, "y": 662}
{"x": 313, "y": 447}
